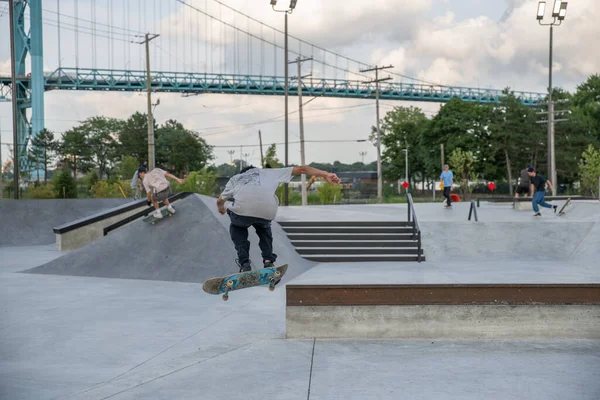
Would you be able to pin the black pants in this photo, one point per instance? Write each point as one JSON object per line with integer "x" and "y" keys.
{"x": 447, "y": 195}
{"x": 239, "y": 235}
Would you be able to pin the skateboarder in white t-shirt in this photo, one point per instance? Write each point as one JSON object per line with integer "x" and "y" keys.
{"x": 252, "y": 193}
{"x": 158, "y": 188}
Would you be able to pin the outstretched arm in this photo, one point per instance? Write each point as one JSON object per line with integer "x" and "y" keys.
{"x": 549, "y": 184}
{"x": 221, "y": 205}
{"x": 305, "y": 169}
{"x": 168, "y": 175}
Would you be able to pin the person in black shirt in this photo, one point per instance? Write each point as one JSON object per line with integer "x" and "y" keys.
{"x": 524, "y": 186}
{"x": 538, "y": 186}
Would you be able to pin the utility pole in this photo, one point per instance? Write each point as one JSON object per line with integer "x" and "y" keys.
{"x": 13, "y": 72}
{"x": 262, "y": 160}
{"x": 231, "y": 152}
{"x": 151, "y": 160}
{"x": 379, "y": 173}
{"x": 241, "y": 155}
{"x": 302, "y": 153}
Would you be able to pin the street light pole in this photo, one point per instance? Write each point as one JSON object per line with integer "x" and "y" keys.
{"x": 559, "y": 13}
{"x": 286, "y": 84}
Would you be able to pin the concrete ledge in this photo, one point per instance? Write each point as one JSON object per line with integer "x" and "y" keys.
{"x": 78, "y": 233}
{"x": 442, "y": 294}
{"x": 84, "y": 234}
{"x": 445, "y": 321}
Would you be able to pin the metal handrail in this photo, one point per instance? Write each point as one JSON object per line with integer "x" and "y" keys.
{"x": 415, "y": 223}
{"x": 473, "y": 211}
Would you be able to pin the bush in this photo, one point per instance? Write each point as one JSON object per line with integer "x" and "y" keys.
{"x": 202, "y": 182}
{"x": 90, "y": 180}
{"x": 329, "y": 193}
{"x": 105, "y": 189}
{"x": 64, "y": 185}
{"x": 40, "y": 192}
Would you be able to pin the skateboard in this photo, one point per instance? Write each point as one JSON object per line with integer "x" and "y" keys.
{"x": 264, "y": 276}
{"x": 152, "y": 220}
{"x": 562, "y": 209}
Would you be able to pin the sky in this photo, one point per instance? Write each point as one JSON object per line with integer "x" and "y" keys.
{"x": 477, "y": 43}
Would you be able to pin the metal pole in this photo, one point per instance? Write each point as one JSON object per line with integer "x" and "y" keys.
{"x": 551, "y": 154}
{"x": 285, "y": 186}
{"x": 150, "y": 118}
{"x": 442, "y": 150}
{"x": 15, "y": 92}
{"x": 302, "y": 155}
{"x": 262, "y": 159}
{"x": 379, "y": 177}
{"x": 406, "y": 162}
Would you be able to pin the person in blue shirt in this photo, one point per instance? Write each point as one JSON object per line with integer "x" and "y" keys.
{"x": 447, "y": 179}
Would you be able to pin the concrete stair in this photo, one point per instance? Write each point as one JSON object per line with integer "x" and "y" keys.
{"x": 355, "y": 241}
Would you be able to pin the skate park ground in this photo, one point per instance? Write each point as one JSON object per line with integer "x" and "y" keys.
{"x": 93, "y": 323}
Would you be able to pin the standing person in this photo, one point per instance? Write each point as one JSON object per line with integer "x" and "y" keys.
{"x": 538, "y": 185}
{"x": 254, "y": 203}
{"x": 524, "y": 187}
{"x": 158, "y": 188}
{"x": 447, "y": 179}
{"x": 136, "y": 185}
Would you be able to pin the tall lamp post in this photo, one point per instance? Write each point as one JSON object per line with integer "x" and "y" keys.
{"x": 289, "y": 10}
{"x": 559, "y": 13}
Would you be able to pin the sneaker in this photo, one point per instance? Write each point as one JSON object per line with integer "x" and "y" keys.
{"x": 555, "y": 208}
{"x": 157, "y": 214}
{"x": 268, "y": 264}
{"x": 245, "y": 267}
{"x": 171, "y": 209}
{"x": 537, "y": 215}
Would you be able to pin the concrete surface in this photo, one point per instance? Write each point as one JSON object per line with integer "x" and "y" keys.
{"x": 444, "y": 322}
{"x": 77, "y": 337}
{"x": 30, "y": 222}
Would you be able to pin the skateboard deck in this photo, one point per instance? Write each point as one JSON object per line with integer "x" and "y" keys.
{"x": 562, "y": 209}
{"x": 150, "y": 219}
{"x": 264, "y": 276}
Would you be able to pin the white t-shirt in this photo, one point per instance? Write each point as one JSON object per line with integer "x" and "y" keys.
{"x": 253, "y": 192}
{"x": 155, "y": 181}
{"x": 134, "y": 180}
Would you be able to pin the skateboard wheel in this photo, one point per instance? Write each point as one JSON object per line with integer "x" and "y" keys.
{"x": 271, "y": 288}
{"x": 229, "y": 283}
{"x": 277, "y": 274}
{"x": 225, "y": 297}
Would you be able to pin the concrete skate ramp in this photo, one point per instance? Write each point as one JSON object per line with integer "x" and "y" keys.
{"x": 30, "y": 222}
{"x": 191, "y": 246}
{"x": 534, "y": 241}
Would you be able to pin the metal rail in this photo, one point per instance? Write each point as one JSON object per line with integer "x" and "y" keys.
{"x": 415, "y": 224}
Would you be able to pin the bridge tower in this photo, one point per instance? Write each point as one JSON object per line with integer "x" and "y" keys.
{"x": 29, "y": 90}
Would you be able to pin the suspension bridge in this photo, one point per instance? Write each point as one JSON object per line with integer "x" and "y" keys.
{"x": 204, "y": 46}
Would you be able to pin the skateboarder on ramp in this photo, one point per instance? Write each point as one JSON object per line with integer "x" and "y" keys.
{"x": 253, "y": 203}
{"x": 158, "y": 188}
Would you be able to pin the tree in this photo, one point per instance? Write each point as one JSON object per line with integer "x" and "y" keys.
{"x": 64, "y": 185}
{"x": 587, "y": 99}
{"x": 101, "y": 133}
{"x": 589, "y": 169}
{"x": 511, "y": 126}
{"x": 402, "y": 128}
{"x": 75, "y": 149}
{"x": 182, "y": 150}
{"x": 43, "y": 148}
{"x": 271, "y": 156}
{"x": 133, "y": 137}
{"x": 127, "y": 167}
{"x": 461, "y": 163}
